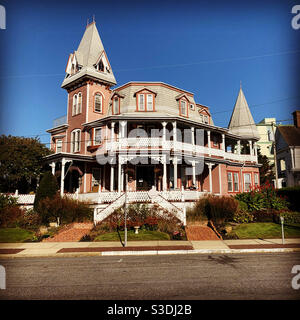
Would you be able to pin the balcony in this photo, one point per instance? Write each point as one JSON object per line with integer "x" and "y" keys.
{"x": 158, "y": 143}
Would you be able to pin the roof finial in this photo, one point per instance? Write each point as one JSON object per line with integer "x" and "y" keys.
{"x": 94, "y": 18}
{"x": 240, "y": 84}
{"x": 87, "y": 22}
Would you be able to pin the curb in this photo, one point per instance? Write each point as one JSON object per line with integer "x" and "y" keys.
{"x": 150, "y": 252}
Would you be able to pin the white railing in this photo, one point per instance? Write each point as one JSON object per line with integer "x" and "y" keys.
{"x": 158, "y": 142}
{"x": 101, "y": 214}
{"x": 27, "y": 199}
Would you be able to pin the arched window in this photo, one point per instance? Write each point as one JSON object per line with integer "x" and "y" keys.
{"x": 74, "y": 105}
{"x": 98, "y": 102}
{"x": 79, "y": 103}
{"x": 75, "y": 140}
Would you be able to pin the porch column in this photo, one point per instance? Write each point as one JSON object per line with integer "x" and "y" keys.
{"x": 122, "y": 178}
{"x": 250, "y": 146}
{"x": 223, "y": 142}
{"x": 175, "y": 172}
{"x": 62, "y": 177}
{"x": 255, "y": 150}
{"x": 112, "y": 132}
{"x": 52, "y": 165}
{"x": 209, "y": 165}
{"x": 174, "y": 134}
{"x": 112, "y": 170}
{"x": 208, "y": 142}
{"x": 239, "y": 146}
{"x": 193, "y": 136}
{"x": 164, "y": 174}
{"x": 220, "y": 179}
{"x": 194, "y": 173}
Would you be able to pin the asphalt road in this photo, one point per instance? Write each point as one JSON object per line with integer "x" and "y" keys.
{"x": 182, "y": 277}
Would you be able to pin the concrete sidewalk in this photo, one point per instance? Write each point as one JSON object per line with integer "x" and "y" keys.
{"x": 63, "y": 249}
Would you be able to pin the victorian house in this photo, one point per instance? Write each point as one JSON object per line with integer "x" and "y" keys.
{"x": 151, "y": 139}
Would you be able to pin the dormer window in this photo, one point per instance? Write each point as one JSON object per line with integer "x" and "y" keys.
{"x": 206, "y": 119}
{"x": 100, "y": 66}
{"x": 116, "y": 105}
{"x": 145, "y": 102}
{"x": 98, "y": 103}
{"x": 183, "y": 108}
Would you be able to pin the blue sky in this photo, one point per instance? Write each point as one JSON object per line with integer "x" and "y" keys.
{"x": 206, "y": 47}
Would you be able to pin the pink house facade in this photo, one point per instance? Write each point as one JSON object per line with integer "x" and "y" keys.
{"x": 148, "y": 138}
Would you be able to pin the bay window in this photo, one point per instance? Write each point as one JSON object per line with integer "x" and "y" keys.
{"x": 229, "y": 181}
{"x": 58, "y": 144}
{"x": 247, "y": 181}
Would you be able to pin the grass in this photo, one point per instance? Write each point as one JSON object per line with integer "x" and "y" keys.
{"x": 265, "y": 230}
{"x": 15, "y": 235}
{"x": 143, "y": 235}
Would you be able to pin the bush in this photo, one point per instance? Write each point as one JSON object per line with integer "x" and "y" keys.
{"x": 47, "y": 189}
{"x": 11, "y": 216}
{"x": 262, "y": 197}
{"x": 289, "y": 217}
{"x": 7, "y": 201}
{"x": 198, "y": 211}
{"x": 292, "y": 195}
{"x": 242, "y": 216}
{"x": 30, "y": 220}
{"x": 66, "y": 209}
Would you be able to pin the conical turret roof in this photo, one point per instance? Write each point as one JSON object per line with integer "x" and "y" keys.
{"x": 241, "y": 122}
{"x": 89, "y": 53}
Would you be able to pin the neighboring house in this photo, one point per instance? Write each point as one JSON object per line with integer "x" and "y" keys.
{"x": 287, "y": 139}
{"x": 96, "y": 146}
{"x": 265, "y": 143}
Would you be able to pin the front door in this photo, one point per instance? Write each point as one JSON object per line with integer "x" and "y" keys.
{"x": 144, "y": 177}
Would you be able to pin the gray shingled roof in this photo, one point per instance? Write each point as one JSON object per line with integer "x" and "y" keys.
{"x": 241, "y": 122}
{"x": 88, "y": 54}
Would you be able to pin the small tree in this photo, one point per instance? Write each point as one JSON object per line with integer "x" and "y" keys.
{"x": 47, "y": 189}
{"x": 266, "y": 171}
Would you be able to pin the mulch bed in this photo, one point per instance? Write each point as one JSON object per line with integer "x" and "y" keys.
{"x": 101, "y": 249}
{"x": 10, "y": 251}
{"x": 264, "y": 246}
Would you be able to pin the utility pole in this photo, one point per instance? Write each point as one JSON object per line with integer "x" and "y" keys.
{"x": 275, "y": 156}
{"x": 125, "y": 209}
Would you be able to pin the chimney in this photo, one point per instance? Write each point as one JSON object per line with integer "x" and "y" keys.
{"x": 296, "y": 115}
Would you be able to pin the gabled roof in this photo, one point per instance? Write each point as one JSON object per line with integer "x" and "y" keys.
{"x": 241, "y": 122}
{"x": 290, "y": 134}
{"x": 88, "y": 54}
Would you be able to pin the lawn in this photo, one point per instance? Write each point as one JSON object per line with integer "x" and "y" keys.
{"x": 143, "y": 235}
{"x": 15, "y": 235}
{"x": 265, "y": 230}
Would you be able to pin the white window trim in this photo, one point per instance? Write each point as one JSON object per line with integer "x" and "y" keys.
{"x": 101, "y": 99}
{"x": 116, "y": 103}
{"x": 75, "y": 140}
{"x": 58, "y": 141}
{"x": 228, "y": 181}
{"x": 238, "y": 182}
{"x": 139, "y": 102}
{"x": 248, "y": 174}
{"x": 185, "y": 113}
{"x": 95, "y": 143}
{"x": 152, "y": 106}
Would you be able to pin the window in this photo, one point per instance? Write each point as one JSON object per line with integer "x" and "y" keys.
{"x": 97, "y": 137}
{"x": 206, "y": 119}
{"x": 201, "y": 118}
{"x": 141, "y": 102}
{"x": 247, "y": 181}
{"x": 229, "y": 181}
{"x": 98, "y": 102}
{"x": 282, "y": 164}
{"x": 255, "y": 179}
{"x": 183, "y": 109}
{"x": 74, "y": 105}
{"x": 116, "y": 109}
{"x": 215, "y": 141}
{"x": 79, "y": 103}
{"x": 192, "y": 107}
{"x": 149, "y": 102}
{"x": 236, "y": 181}
{"x": 58, "y": 145}
{"x": 75, "y": 140}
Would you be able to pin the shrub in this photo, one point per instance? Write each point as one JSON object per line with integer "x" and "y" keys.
{"x": 198, "y": 211}
{"x": 242, "y": 216}
{"x": 292, "y": 195}
{"x": 47, "y": 189}
{"x": 30, "y": 220}
{"x": 66, "y": 209}
{"x": 267, "y": 215}
{"x": 7, "y": 201}
{"x": 289, "y": 217}
{"x": 262, "y": 197}
{"x": 11, "y": 216}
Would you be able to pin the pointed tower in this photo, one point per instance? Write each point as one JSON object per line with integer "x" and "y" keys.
{"x": 241, "y": 122}
{"x": 89, "y": 78}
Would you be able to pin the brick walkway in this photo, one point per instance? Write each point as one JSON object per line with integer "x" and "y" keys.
{"x": 71, "y": 233}
{"x": 195, "y": 232}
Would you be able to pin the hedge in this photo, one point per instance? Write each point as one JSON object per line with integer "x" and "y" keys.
{"x": 292, "y": 195}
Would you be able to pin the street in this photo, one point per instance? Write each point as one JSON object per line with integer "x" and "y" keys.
{"x": 181, "y": 277}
